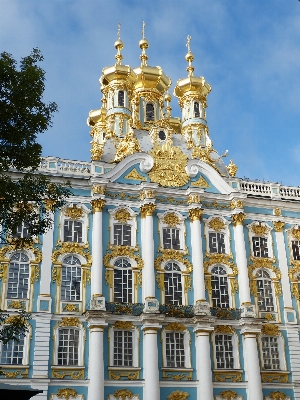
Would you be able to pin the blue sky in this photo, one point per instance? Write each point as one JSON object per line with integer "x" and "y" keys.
{"x": 248, "y": 50}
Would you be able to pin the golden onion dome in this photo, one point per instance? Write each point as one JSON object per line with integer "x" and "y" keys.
{"x": 191, "y": 84}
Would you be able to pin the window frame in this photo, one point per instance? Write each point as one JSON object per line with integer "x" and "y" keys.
{"x": 185, "y": 275}
{"x": 260, "y": 230}
{"x": 146, "y": 120}
{"x": 179, "y": 328}
{"x": 213, "y": 224}
{"x": 123, "y": 326}
{"x": 230, "y": 279}
{"x": 229, "y": 331}
{"x": 118, "y": 216}
{"x": 26, "y": 348}
{"x": 281, "y": 353}
{"x": 165, "y": 222}
{"x": 84, "y": 219}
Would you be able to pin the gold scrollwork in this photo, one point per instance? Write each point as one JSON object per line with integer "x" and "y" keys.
{"x": 278, "y": 225}
{"x": 201, "y": 182}
{"x": 14, "y": 374}
{"x": 69, "y": 321}
{"x": 73, "y": 374}
{"x": 228, "y": 395}
{"x": 277, "y": 396}
{"x": 123, "y": 251}
{"x": 98, "y": 205}
{"x": 175, "y": 326}
{"x": 26, "y": 246}
{"x": 73, "y": 212}
{"x": 277, "y": 212}
{"x": 178, "y": 395}
{"x": 70, "y": 307}
{"x": 122, "y": 215}
{"x": 134, "y": 175}
{"x": 216, "y": 258}
{"x": 71, "y": 247}
{"x": 96, "y": 150}
{"x": 124, "y": 325}
{"x": 270, "y": 329}
{"x": 98, "y": 189}
{"x": 194, "y": 198}
{"x": 66, "y": 393}
{"x": 238, "y": 219}
{"x": 224, "y": 329}
{"x": 123, "y": 394}
{"x": 269, "y": 377}
{"x": 171, "y": 254}
{"x": 216, "y": 224}
{"x": 236, "y": 204}
{"x": 195, "y": 214}
{"x": 296, "y": 233}
{"x": 230, "y": 376}
{"x": 171, "y": 219}
{"x": 16, "y": 305}
{"x": 147, "y": 210}
{"x": 127, "y": 146}
{"x": 117, "y": 375}
{"x": 259, "y": 229}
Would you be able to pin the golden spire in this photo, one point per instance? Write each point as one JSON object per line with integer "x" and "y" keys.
{"x": 119, "y": 46}
{"x": 189, "y": 57}
{"x": 143, "y": 43}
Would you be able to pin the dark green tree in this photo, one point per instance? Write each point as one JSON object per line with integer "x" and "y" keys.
{"x": 25, "y": 196}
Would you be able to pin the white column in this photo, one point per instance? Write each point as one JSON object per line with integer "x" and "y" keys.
{"x": 197, "y": 254}
{"x": 252, "y": 367}
{"x": 96, "y": 361}
{"x": 241, "y": 258}
{"x": 283, "y": 265}
{"x": 97, "y": 250}
{"x": 203, "y": 364}
{"x": 150, "y": 363}
{"x": 148, "y": 250}
{"x": 45, "y": 279}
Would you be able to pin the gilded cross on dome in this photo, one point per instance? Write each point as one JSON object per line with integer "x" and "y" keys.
{"x": 189, "y": 57}
{"x": 143, "y": 30}
{"x": 119, "y": 46}
{"x": 119, "y": 31}
{"x": 188, "y": 44}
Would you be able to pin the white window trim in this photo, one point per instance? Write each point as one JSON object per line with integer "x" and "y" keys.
{"x": 267, "y": 235}
{"x": 84, "y": 219}
{"x": 25, "y": 359}
{"x": 291, "y": 238}
{"x": 282, "y": 358}
{"x": 236, "y": 354}
{"x": 275, "y": 298}
{"x": 225, "y": 231}
{"x": 132, "y": 222}
{"x": 135, "y": 347}
{"x": 187, "y": 350}
{"x": 82, "y": 334}
{"x": 180, "y": 226}
{"x": 230, "y": 277}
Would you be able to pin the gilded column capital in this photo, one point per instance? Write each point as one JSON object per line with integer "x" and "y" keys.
{"x": 98, "y": 205}
{"x": 147, "y": 210}
{"x": 195, "y": 214}
{"x": 278, "y": 225}
{"x": 236, "y": 204}
{"x": 238, "y": 219}
{"x": 98, "y": 189}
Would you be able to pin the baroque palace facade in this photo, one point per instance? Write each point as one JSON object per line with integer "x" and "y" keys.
{"x": 164, "y": 276}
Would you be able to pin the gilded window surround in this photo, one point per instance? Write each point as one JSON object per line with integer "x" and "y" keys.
{"x": 132, "y": 254}
{"x": 35, "y": 257}
{"x": 123, "y": 215}
{"x": 74, "y": 212}
{"x": 172, "y": 219}
{"x": 62, "y": 250}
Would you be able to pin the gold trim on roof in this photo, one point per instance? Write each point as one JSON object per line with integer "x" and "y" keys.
{"x": 135, "y": 176}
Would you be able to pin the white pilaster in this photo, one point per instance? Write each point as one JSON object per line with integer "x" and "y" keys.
{"x": 96, "y": 324}
{"x": 41, "y": 355}
{"x": 197, "y": 254}
{"x": 203, "y": 363}
{"x": 252, "y": 365}
{"x": 148, "y": 250}
{"x": 150, "y": 362}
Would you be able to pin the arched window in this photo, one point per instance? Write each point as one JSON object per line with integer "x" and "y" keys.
{"x": 219, "y": 283}
{"x": 18, "y": 277}
{"x": 173, "y": 284}
{"x": 122, "y": 281}
{"x": 196, "y": 109}
{"x": 149, "y": 112}
{"x": 71, "y": 279}
{"x": 264, "y": 291}
{"x": 121, "y": 98}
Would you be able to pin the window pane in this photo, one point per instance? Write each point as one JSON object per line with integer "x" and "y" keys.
{"x": 121, "y": 98}
{"x": 175, "y": 354}
{"x": 68, "y": 343}
{"x": 270, "y": 353}
{"x": 72, "y": 231}
{"x": 122, "y": 235}
{"x": 196, "y": 110}
{"x": 71, "y": 279}
{"x": 172, "y": 284}
{"x": 264, "y": 291}
{"x": 219, "y": 283}
{"x": 18, "y": 277}
{"x": 295, "y": 249}
{"x": 171, "y": 238}
{"x": 123, "y": 348}
{"x": 224, "y": 351}
{"x": 12, "y": 352}
{"x": 216, "y": 242}
{"x": 123, "y": 281}
{"x": 260, "y": 247}
{"x": 149, "y": 112}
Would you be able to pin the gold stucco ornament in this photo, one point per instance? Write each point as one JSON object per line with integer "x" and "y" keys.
{"x": 171, "y": 219}
{"x": 66, "y": 393}
{"x": 236, "y": 204}
{"x": 277, "y": 396}
{"x": 127, "y": 146}
{"x": 123, "y": 394}
{"x": 216, "y": 224}
{"x": 270, "y": 329}
{"x": 228, "y": 395}
{"x": 73, "y": 212}
{"x": 296, "y": 233}
{"x": 122, "y": 215}
{"x": 278, "y": 225}
{"x": 178, "y": 395}
{"x": 232, "y": 169}
{"x": 169, "y": 165}
{"x": 259, "y": 229}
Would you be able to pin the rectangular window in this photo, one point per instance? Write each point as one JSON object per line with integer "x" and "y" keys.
{"x": 68, "y": 343}
{"x": 73, "y": 231}
{"x": 12, "y": 352}
{"x": 216, "y": 243}
{"x": 296, "y": 249}
{"x": 175, "y": 354}
{"x": 122, "y": 235}
{"x": 123, "y": 348}
{"x": 270, "y": 353}
{"x": 224, "y": 351}
{"x": 22, "y": 231}
{"x": 171, "y": 238}
{"x": 260, "y": 247}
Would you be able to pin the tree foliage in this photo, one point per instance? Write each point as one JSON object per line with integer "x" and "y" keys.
{"x": 12, "y": 327}
{"x": 25, "y": 196}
